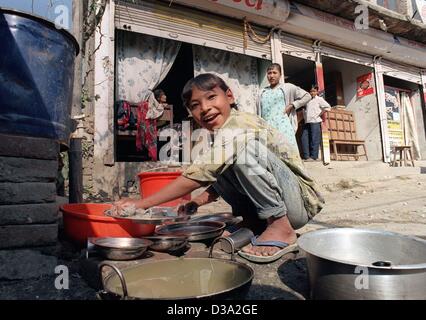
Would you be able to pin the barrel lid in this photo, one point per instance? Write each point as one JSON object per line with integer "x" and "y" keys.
{"x": 44, "y": 21}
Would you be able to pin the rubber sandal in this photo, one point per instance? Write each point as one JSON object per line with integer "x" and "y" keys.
{"x": 285, "y": 249}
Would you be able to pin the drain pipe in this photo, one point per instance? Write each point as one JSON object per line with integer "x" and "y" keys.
{"x": 75, "y": 156}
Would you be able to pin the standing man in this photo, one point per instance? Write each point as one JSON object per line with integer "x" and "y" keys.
{"x": 311, "y": 136}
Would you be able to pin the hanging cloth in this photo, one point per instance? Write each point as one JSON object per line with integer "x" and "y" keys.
{"x": 146, "y": 135}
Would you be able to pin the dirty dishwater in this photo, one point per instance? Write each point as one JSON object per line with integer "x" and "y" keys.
{"x": 180, "y": 279}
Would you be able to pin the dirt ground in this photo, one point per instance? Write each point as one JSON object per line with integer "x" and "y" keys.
{"x": 395, "y": 204}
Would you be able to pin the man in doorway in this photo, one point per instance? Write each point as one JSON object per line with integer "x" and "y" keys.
{"x": 311, "y": 136}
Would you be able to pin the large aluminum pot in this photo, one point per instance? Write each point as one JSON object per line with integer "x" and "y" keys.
{"x": 364, "y": 264}
{"x": 178, "y": 279}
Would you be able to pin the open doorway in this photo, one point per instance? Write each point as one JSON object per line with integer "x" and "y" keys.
{"x": 405, "y": 114}
{"x": 343, "y": 92}
{"x": 181, "y": 71}
{"x": 300, "y": 72}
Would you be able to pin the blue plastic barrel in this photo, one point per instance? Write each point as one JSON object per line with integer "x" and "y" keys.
{"x": 36, "y": 76}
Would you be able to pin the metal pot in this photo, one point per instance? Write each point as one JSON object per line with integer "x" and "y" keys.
{"x": 178, "y": 279}
{"x": 120, "y": 248}
{"x": 364, "y": 264}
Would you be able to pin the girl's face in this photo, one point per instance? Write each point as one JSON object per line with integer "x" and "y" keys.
{"x": 210, "y": 109}
{"x": 314, "y": 93}
{"x": 274, "y": 76}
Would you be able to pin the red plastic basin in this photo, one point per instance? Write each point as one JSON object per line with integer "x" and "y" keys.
{"x": 85, "y": 220}
{"x": 152, "y": 182}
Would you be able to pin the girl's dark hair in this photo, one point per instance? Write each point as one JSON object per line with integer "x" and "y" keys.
{"x": 203, "y": 82}
{"x": 158, "y": 93}
{"x": 315, "y": 87}
{"x": 274, "y": 66}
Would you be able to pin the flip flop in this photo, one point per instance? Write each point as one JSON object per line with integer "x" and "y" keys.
{"x": 285, "y": 248}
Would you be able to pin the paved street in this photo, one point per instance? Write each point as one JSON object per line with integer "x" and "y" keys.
{"x": 384, "y": 198}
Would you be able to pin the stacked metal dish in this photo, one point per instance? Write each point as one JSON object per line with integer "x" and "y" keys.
{"x": 226, "y": 217}
{"x": 120, "y": 248}
{"x": 194, "y": 231}
{"x": 169, "y": 244}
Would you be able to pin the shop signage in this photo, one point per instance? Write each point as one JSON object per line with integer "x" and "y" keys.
{"x": 393, "y": 115}
{"x": 365, "y": 85}
{"x": 264, "y": 12}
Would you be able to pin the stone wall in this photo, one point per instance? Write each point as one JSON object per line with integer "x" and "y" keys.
{"x": 28, "y": 208}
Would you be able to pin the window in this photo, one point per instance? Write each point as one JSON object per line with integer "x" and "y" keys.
{"x": 389, "y": 4}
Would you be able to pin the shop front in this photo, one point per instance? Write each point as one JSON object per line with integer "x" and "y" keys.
{"x": 149, "y": 45}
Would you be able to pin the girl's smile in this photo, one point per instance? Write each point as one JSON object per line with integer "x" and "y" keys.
{"x": 210, "y": 108}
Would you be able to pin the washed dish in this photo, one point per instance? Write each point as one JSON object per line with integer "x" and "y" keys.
{"x": 225, "y": 217}
{"x": 120, "y": 248}
{"x": 194, "y": 231}
{"x": 167, "y": 243}
{"x": 155, "y": 215}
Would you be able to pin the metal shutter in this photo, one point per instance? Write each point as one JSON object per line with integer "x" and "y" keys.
{"x": 346, "y": 55}
{"x": 189, "y": 25}
{"x": 297, "y": 47}
{"x": 401, "y": 72}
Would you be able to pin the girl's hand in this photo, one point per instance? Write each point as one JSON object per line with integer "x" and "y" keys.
{"x": 188, "y": 208}
{"x": 126, "y": 207}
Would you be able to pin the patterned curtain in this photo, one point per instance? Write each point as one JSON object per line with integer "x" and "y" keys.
{"x": 238, "y": 71}
{"x": 142, "y": 63}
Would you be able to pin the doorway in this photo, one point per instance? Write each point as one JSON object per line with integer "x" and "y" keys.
{"x": 300, "y": 72}
{"x": 405, "y": 114}
{"x": 343, "y": 91}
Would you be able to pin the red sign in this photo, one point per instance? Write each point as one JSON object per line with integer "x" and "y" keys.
{"x": 263, "y": 12}
{"x": 365, "y": 85}
{"x": 248, "y": 3}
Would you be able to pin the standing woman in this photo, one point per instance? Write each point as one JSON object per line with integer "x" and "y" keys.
{"x": 279, "y": 102}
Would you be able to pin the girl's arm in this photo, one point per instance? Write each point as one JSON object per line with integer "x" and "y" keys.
{"x": 208, "y": 196}
{"x": 176, "y": 189}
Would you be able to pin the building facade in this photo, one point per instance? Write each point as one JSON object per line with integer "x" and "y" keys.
{"x": 339, "y": 45}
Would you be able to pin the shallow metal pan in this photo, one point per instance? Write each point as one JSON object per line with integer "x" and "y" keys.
{"x": 120, "y": 248}
{"x": 194, "y": 231}
{"x": 167, "y": 243}
{"x": 226, "y": 217}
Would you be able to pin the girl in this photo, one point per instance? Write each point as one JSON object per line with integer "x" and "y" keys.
{"x": 279, "y": 190}
{"x": 278, "y": 103}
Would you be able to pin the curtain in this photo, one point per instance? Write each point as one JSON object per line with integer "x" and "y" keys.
{"x": 238, "y": 71}
{"x": 142, "y": 63}
{"x": 409, "y": 125}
